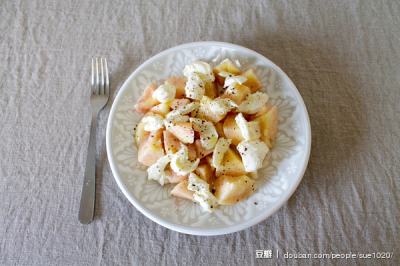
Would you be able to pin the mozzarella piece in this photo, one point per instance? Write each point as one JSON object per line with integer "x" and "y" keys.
{"x": 253, "y": 103}
{"x": 220, "y": 149}
{"x": 202, "y": 69}
{"x": 225, "y": 74}
{"x": 207, "y": 131}
{"x": 195, "y": 87}
{"x": 222, "y": 106}
{"x": 202, "y": 193}
{"x": 164, "y": 93}
{"x": 183, "y": 110}
{"x": 249, "y": 130}
{"x": 174, "y": 117}
{"x": 153, "y": 122}
{"x": 180, "y": 162}
{"x": 252, "y": 153}
{"x": 231, "y": 79}
{"x": 179, "y": 115}
{"x": 157, "y": 171}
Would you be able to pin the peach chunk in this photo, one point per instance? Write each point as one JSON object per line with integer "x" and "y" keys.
{"x": 237, "y": 93}
{"x": 230, "y": 190}
{"x": 265, "y": 108}
{"x": 192, "y": 152}
{"x": 254, "y": 174}
{"x": 232, "y": 130}
{"x": 201, "y": 152}
{"x": 269, "y": 126}
{"x": 140, "y": 133}
{"x": 220, "y": 129}
{"x": 228, "y": 66}
{"x": 180, "y": 84}
{"x": 209, "y": 160}
{"x": 205, "y": 172}
{"x": 147, "y": 101}
{"x": 231, "y": 165}
{"x": 171, "y": 143}
{"x": 176, "y": 178}
{"x": 211, "y": 90}
{"x": 183, "y": 131}
{"x": 181, "y": 191}
{"x": 151, "y": 149}
{"x": 160, "y": 109}
{"x": 253, "y": 81}
{"x": 176, "y": 103}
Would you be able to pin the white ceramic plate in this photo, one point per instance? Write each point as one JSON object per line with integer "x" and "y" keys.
{"x": 283, "y": 167}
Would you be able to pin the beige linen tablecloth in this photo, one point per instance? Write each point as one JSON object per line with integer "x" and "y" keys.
{"x": 343, "y": 56}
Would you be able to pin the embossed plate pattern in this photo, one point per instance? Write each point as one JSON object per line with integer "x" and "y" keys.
{"x": 282, "y": 169}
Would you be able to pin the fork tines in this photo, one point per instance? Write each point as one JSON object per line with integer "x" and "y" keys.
{"x": 100, "y": 87}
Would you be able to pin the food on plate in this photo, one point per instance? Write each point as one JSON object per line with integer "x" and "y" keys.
{"x": 140, "y": 133}
{"x": 176, "y": 103}
{"x": 232, "y": 130}
{"x": 250, "y": 130}
{"x": 150, "y": 148}
{"x": 253, "y": 82}
{"x": 164, "y": 93}
{"x": 160, "y": 109}
{"x": 180, "y": 84}
{"x": 227, "y": 66}
{"x": 253, "y": 153}
{"x": 202, "y": 193}
{"x": 147, "y": 101}
{"x": 183, "y": 131}
{"x": 231, "y": 165}
{"x": 230, "y": 190}
{"x": 236, "y": 92}
{"x": 269, "y": 126}
{"x": 181, "y": 190}
{"x": 253, "y": 103}
{"x": 207, "y": 140}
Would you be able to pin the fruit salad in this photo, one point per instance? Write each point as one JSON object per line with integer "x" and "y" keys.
{"x": 208, "y": 133}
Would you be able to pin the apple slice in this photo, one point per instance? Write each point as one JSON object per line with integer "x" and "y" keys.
{"x": 147, "y": 101}
{"x": 231, "y": 165}
{"x": 181, "y": 191}
{"x": 183, "y": 131}
{"x": 150, "y": 148}
{"x": 253, "y": 81}
{"x": 269, "y": 126}
{"x": 230, "y": 190}
{"x": 232, "y": 130}
{"x": 228, "y": 66}
{"x": 180, "y": 84}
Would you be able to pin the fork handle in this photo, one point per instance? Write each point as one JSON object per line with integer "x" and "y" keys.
{"x": 86, "y": 209}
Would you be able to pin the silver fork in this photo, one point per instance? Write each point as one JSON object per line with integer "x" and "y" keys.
{"x": 100, "y": 90}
